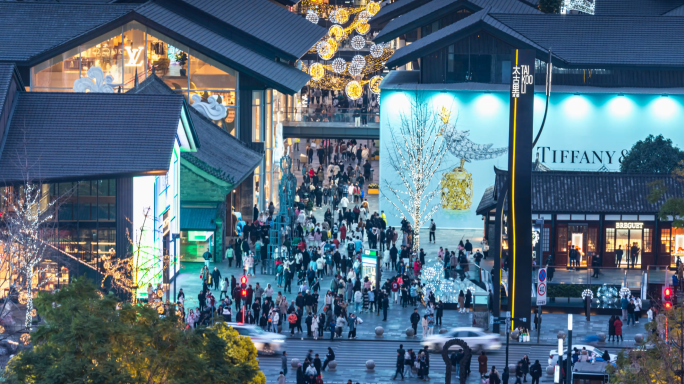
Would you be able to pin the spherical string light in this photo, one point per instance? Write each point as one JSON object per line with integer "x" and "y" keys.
{"x": 339, "y": 65}
{"x": 342, "y": 15}
{"x": 364, "y": 15}
{"x": 376, "y": 50}
{"x": 358, "y": 42}
{"x": 324, "y": 50}
{"x": 373, "y": 8}
{"x": 355, "y": 70}
{"x": 317, "y": 71}
{"x": 337, "y": 32}
{"x": 374, "y": 84}
{"x": 359, "y": 61}
{"x": 362, "y": 26}
{"x": 333, "y": 44}
{"x": 354, "y": 90}
{"x": 312, "y": 17}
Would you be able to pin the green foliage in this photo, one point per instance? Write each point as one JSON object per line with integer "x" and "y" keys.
{"x": 652, "y": 155}
{"x": 550, "y": 6}
{"x": 655, "y": 361}
{"x": 570, "y": 290}
{"x": 87, "y": 340}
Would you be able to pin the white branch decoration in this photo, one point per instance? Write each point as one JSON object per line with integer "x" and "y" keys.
{"x": 415, "y": 153}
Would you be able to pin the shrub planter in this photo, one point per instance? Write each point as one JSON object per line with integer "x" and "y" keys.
{"x": 373, "y": 191}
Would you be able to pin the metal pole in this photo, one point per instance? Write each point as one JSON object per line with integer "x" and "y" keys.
{"x": 539, "y": 323}
{"x": 508, "y": 338}
{"x": 568, "y": 372}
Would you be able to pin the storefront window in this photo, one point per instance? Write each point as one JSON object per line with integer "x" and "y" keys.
{"x": 563, "y": 239}
{"x": 58, "y": 72}
{"x": 678, "y": 242}
{"x": 648, "y": 242}
{"x": 134, "y": 53}
{"x": 134, "y": 48}
{"x": 610, "y": 239}
{"x": 194, "y": 244}
{"x": 592, "y": 239}
{"x": 664, "y": 241}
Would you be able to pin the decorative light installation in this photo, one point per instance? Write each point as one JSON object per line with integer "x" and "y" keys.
{"x": 317, "y": 71}
{"x": 358, "y": 61}
{"x": 339, "y": 16}
{"x": 364, "y": 15}
{"x": 333, "y": 44}
{"x": 339, "y": 65}
{"x": 583, "y": 6}
{"x": 324, "y": 50}
{"x": 312, "y": 17}
{"x": 587, "y": 293}
{"x": 374, "y": 84}
{"x": 625, "y": 292}
{"x": 358, "y": 42}
{"x": 362, "y": 26}
{"x": 354, "y": 90}
{"x": 376, "y": 50}
{"x": 25, "y": 338}
{"x": 373, "y": 8}
{"x": 337, "y": 32}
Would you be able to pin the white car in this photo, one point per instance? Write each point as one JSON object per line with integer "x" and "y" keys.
{"x": 593, "y": 352}
{"x": 476, "y": 339}
{"x": 267, "y": 342}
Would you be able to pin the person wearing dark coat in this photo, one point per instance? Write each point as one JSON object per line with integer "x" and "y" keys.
{"x": 536, "y": 372}
{"x": 468, "y": 300}
{"x": 300, "y": 375}
{"x": 518, "y": 373}
{"x": 611, "y": 328}
{"x": 525, "y": 367}
{"x": 482, "y": 364}
{"x": 504, "y": 376}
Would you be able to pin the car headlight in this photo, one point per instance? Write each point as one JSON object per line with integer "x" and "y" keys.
{"x": 279, "y": 340}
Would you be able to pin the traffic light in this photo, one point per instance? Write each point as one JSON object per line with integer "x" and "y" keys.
{"x": 244, "y": 293}
{"x": 243, "y": 283}
{"x": 667, "y": 297}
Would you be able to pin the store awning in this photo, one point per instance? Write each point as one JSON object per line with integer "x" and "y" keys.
{"x": 197, "y": 219}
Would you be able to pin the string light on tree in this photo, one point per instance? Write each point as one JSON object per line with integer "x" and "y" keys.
{"x": 376, "y": 50}
{"x": 339, "y": 65}
{"x": 312, "y": 17}
{"x": 358, "y": 42}
{"x": 354, "y": 90}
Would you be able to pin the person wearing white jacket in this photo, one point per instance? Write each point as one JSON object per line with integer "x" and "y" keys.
{"x": 314, "y": 327}
{"x": 344, "y": 202}
{"x": 424, "y": 323}
{"x": 358, "y": 300}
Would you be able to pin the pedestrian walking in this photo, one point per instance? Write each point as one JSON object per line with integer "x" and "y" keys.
{"x": 525, "y": 367}
{"x": 618, "y": 330}
{"x": 283, "y": 363}
{"x": 482, "y": 364}
{"x": 399, "y": 366}
{"x": 536, "y": 372}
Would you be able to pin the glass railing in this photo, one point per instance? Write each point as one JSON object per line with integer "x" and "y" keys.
{"x": 329, "y": 115}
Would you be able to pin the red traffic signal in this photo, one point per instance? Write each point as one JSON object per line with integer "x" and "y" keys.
{"x": 668, "y": 305}
{"x": 244, "y": 293}
{"x": 243, "y": 280}
{"x": 668, "y": 292}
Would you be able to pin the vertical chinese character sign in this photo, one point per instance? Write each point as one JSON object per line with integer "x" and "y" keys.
{"x": 520, "y": 185}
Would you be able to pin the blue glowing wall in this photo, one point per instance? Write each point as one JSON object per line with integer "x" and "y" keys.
{"x": 583, "y": 132}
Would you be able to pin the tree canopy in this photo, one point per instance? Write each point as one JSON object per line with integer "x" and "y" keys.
{"x": 550, "y": 6}
{"x": 652, "y": 155}
{"x": 86, "y": 339}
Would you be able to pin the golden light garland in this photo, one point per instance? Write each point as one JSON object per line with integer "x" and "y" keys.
{"x": 354, "y": 90}
{"x": 317, "y": 71}
{"x": 333, "y": 45}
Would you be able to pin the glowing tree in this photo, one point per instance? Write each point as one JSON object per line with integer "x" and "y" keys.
{"x": 415, "y": 153}
{"x": 26, "y": 224}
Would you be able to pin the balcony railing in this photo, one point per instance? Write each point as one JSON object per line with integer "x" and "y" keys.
{"x": 329, "y": 115}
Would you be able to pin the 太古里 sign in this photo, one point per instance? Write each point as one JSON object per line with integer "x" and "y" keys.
{"x": 628, "y": 225}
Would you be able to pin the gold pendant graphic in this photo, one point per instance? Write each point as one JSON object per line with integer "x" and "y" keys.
{"x": 457, "y": 189}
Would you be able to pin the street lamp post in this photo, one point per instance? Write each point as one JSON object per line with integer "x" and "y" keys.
{"x": 568, "y": 372}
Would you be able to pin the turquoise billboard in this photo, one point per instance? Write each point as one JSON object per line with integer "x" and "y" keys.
{"x": 584, "y": 132}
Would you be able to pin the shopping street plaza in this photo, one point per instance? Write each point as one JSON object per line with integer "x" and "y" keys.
{"x": 175, "y": 125}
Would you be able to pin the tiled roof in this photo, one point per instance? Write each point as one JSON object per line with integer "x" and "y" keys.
{"x": 265, "y": 21}
{"x": 437, "y": 9}
{"x": 198, "y": 219}
{"x": 679, "y": 11}
{"x": 282, "y": 77}
{"x": 635, "y": 7}
{"x": 73, "y": 135}
{"x": 452, "y": 33}
{"x": 221, "y": 154}
{"x": 604, "y": 40}
{"x": 28, "y": 29}
{"x": 488, "y": 202}
{"x": 589, "y": 192}
{"x": 392, "y": 10}
{"x": 6, "y": 72}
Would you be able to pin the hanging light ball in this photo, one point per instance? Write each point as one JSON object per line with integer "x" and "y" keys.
{"x": 364, "y": 15}
{"x": 358, "y": 61}
{"x": 341, "y": 15}
{"x": 337, "y": 32}
{"x": 160, "y": 309}
{"x": 358, "y": 42}
{"x": 587, "y": 293}
{"x": 339, "y": 65}
{"x": 355, "y": 70}
{"x": 23, "y": 298}
{"x": 373, "y": 8}
{"x": 317, "y": 71}
{"x": 362, "y": 27}
{"x": 374, "y": 84}
{"x": 333, "y": 44}
{"x": 354, "y": 90}
{"x": 160, "y": 293}
{"x": 376, "y": 50}
{"x": 2, "y": 329}
{"x": 325, "y": 50}
{"x": 312, "y": 17}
